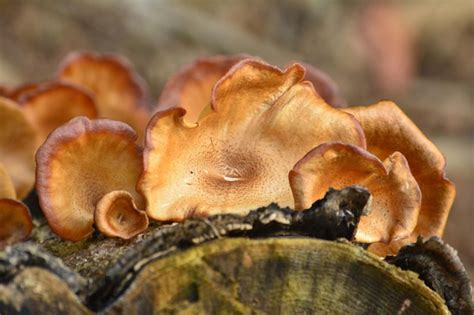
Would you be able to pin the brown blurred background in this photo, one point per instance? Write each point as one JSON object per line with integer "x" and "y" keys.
{"x": 418, "y": 53}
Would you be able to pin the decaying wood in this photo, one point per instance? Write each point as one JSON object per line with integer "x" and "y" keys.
{"x": 275, "y": 265}
{"x": 276, "y": 275}
{"x": 441, "y": 269}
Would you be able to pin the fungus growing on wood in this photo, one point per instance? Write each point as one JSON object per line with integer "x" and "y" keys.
{"x": 54, "y": 104}
{"x": 396, "y": 197}
{"x": 79, "y": 163}
{"x": 191, "y": 87}
{"x": 18, "y": 142}
{"x": 388, "y": 129}
{"x": 238, "y": 157}
{"x": 118, "y": 91}
{"x": 15, "y": 221}
{"x": 116, "y": 215}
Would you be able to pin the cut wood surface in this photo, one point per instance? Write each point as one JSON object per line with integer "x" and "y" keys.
{"x": 243, "y": 276}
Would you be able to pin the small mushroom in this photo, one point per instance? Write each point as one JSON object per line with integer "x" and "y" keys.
{"x": 18, "y": 142}
{"x": 78, "y": 164}
{"x": 117, "y": 90}
{"x": 54, "y": 104}
{"x": 15, "y": 222}
{"x": 237, "y": 157}
{"x": 387, "y": 130}
{"x": 191, "y": 87}
{"x": 116, "y": 215}
{"x": 396, "y": 197}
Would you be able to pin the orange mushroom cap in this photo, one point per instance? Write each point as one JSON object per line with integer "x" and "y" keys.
{"x": 17, "y": 92}
{"x": 78, "y": 164}
{"x": 116, "y": 215}
{"x": 326, "y": 87}
{"x": 396, "y": 197}
{"x": 3, "y": 90}
{"x": 54, "y": 104}
{"x": 387, "y": 130}
{"x": 18, "y": 142}
{"x": 237, "y": 158}
{"x": 15, "y": 222}
{"x": 118, "y": 91}
{"x": 191, "y": 87}
{"x": 7, "y": 190}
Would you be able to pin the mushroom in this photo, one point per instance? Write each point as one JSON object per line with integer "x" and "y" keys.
{"x": 237, "y": 157}
{"x": 191, "y": 87}
{"x": 17, "y": 92}
{"x": 15, "y": 219}
{"x": 118, "y": 91}
{"x": 387, "y": 130}
{"x": 396, "y": 197}
{"x": 324, "y": 85}
{"x": 78, "y": 164}
{"x": 3, "y": 90}
{"x": 18, "y": 142}
{"x": 15, "y": 222}
{"x": 116, "y": 215}
{"x": 54, "y": 104}
{"x": 7, "y": 190}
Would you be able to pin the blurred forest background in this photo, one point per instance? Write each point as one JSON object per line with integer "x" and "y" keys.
{"x": 418, "y": 53}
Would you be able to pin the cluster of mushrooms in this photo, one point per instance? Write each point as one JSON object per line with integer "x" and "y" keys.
{"x": 228, "y": 134}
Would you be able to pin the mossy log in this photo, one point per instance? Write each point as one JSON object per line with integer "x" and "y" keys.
{"x": 243, "y": 276}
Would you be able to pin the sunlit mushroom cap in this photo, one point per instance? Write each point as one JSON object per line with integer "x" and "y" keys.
{"x": 15, "y": 222}
{"x": 54, "y": 104}
{"x": 396, "y": 197}
{"x": 18, "y": 142}
{"x": 191, "y": 87}
{"x": 118, "y": 91}
{"x": 387, "y": 130}
{"x": 325, "y": 86}
{"x": 116, "y": 215}
{"x": 79, "y": 163}
{"x": 237, "y": 157}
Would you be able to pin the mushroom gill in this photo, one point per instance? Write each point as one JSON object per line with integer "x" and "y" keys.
{"x": 78, "y": 164}
{"x": 237, "y": 157}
